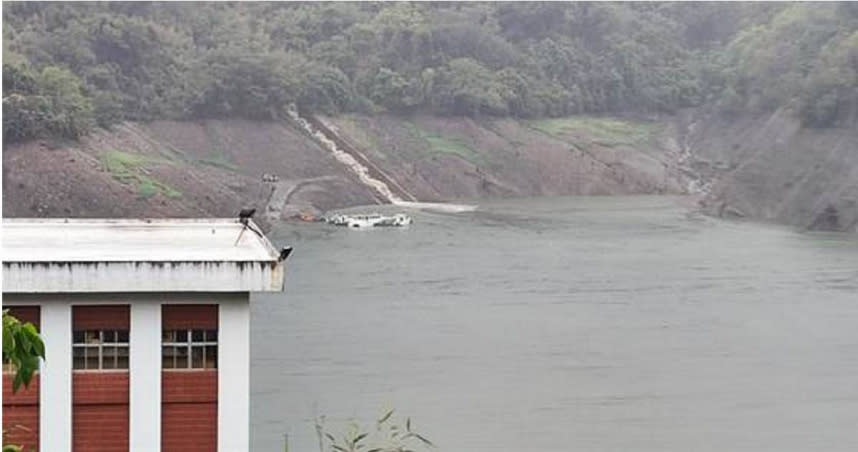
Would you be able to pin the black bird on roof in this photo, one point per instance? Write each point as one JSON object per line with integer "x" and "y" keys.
{"x": 244, "y": 218}
{"x": 285, "y": 252}
{"x": 245, "y": 215}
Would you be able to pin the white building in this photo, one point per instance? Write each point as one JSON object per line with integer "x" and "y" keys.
{"x": 146, "y": 325}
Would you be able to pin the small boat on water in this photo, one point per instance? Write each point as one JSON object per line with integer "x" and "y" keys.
{"x": 369, "y": 221}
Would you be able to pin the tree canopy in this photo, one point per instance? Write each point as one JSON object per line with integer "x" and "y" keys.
{"x": 70, "y": 66}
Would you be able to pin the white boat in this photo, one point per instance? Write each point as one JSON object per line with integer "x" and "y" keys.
{"x": 370, "y": 220}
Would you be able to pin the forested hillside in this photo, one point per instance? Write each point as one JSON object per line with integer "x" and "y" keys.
{"x": 68, "y": 67}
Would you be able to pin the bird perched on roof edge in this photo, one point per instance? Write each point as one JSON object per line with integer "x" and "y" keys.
{"x": 285, "y": 252}
{"x": 245, "y": 215}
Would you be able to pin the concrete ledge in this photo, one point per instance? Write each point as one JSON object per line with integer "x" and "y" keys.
{"x": 71, "y": 277}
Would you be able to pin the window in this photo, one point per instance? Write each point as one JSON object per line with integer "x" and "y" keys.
{"x": 100, "y": 349}
{"x": 189, "y": 349}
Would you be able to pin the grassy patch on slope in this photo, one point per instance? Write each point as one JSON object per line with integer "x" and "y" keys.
{"x": 128, "y": 168}
{"x": 605, "y": 131}
{"x": 445, "y": 144}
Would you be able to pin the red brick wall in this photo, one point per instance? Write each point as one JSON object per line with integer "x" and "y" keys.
{"x": 100, "y": 398}
{"x": 25, "y": 313}
{"x": 187, "y": 316}
{"x": 100, "y": 411}
{"x": 189, "y": 411}
{"x": 21, "y": 410}
{"x": 189, "y": 397}
{"x": 21, "y": 413}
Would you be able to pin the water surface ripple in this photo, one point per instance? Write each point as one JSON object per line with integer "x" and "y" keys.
{"x": 565, "y": 324}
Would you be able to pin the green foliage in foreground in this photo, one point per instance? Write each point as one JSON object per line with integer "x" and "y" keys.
{"x": 22, "y": 348}
{"x": 388, "y": 436}
{"x": 70, "y": 66}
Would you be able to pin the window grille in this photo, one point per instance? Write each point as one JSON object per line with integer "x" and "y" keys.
{"x": 100, "y": 349}
{"x": 189, "y": 349}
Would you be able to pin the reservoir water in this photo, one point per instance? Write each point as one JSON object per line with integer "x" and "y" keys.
{"x": 564, "y": 324}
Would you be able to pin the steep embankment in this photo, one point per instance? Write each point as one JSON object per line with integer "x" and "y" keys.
{"x": 205, "y": 168}
{"x": 443, "y": 159}
{"x": 771, "y": 168}
{"x": 178, "y": 169}
{"x": 764, "y": 168}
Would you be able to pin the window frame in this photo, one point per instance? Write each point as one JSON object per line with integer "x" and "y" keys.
{"x": 189, "y": 345}
{"x": 100, "y": 347}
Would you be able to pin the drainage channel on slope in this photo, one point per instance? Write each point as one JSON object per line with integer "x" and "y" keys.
{"x": 373, "y": 178}
{"x": 346, "y": 158}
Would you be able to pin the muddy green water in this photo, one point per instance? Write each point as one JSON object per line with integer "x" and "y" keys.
{"x": 570, "y": 324}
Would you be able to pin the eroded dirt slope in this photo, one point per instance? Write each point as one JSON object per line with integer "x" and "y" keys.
{"x": 767, "y": 168}
{"x": 213, "y": 168}
{"x": 172, "y": 169}
{"x": 443, "y": 159}
{"x": 771, "y": 168}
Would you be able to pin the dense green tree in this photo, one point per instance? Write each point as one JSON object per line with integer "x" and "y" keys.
{"x": 231, "y": 83}
{"x": 68, "y": 66}
{"x": 465, "y": 87}
{"x": 50, "y": 102}
{"x": 799, "y": 59}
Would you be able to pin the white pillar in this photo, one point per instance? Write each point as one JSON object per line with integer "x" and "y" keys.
{"x": 145, "y": 377}
{"x": 55, "y": 380}
{"x": 233, "y": 382}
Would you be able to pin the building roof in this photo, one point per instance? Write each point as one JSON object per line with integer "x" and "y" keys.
{"x": 146, "y": 255}
{"x": 173, "y": 240}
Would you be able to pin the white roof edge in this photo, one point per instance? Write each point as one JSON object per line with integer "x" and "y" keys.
{"x": 29, "y": 277}
{"x": 275, "y": 255}
{"x": 24, "y": 238}
{"x": 118, "y": 220}
{"x": 138, "y": 255}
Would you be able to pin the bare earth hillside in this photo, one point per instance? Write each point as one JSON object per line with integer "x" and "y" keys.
{"x": 443, "y": 159}
{"x": 766, "y": 168}
{"x": 770, "y": 168}
{"x": 171, "y": 169}
{"x": 206, "y": 168}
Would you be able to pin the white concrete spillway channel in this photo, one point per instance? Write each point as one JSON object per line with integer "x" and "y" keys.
{"x": 363, "y": 172}
{"x": 345, "y": 158}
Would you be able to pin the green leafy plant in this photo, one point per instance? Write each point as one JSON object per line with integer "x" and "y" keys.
{"x": 388, "y": 436}
{"x": 22, "y": 348}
